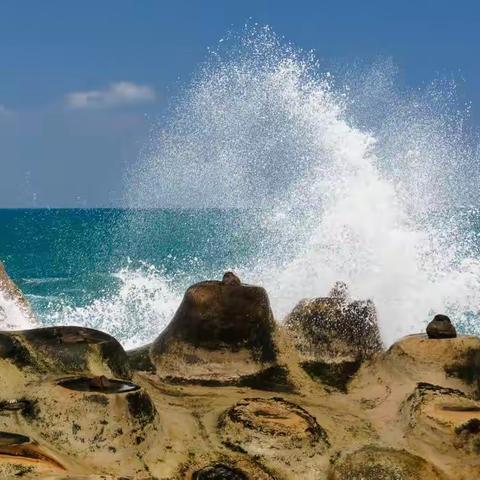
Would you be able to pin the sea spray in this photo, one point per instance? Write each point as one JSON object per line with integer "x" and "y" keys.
{"x": 135, "y": 312}
{"x": 377, "y": 207}
{"x": 291, "y": 176}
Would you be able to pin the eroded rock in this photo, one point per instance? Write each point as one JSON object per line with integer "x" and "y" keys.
{"x": 374, "y": 463}
{"x": 334, "y": 335}
{"x": 453, "y": 362}
{"x": 65, "y": 350}
{"x": 20, "y": 455}
{"x": 223, "y": 333}
{"x": 71, "y": 408}
{"x": 274, "y": 430}
{"x": 438, "y": 413}
{"x": 220, "y": 471}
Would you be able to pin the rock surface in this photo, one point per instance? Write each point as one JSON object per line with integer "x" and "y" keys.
{"x": 74, "y": 405}
{"x": 373, "y": 463}
{"x": 334, "y": 335}
{"x": 441, "y": 327}
{"x": 223, "y": 333}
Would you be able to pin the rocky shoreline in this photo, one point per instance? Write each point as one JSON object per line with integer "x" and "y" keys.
{"x": 226, "y": 392}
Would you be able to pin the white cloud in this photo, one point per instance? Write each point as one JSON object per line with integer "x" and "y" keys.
{"x": 116, "y": 94}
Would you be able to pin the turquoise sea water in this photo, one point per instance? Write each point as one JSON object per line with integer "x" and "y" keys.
{"x": 125, "y": 271}
{"x": 113, "y": 267}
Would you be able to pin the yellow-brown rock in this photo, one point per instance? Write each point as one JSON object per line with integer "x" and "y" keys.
{"x": 74, "y": 405}
{"x": 223, "y": 333}
{"x": 334, "y": 335}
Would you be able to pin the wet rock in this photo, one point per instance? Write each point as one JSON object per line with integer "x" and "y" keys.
{"x": 441, "y": 327}
{"x": 223, "y": 333}
{"x": 375, "y": 463}
{"x": 8, "y": 439}
{"x": 25, "y": 406}
{"x": 98, "y": 384}
{"x": 334, "y": 335}
{"x": 65, "y": 350}
{"x": 26, "y": 456}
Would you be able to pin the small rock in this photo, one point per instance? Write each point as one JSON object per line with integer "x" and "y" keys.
{"x": 441, "y": 327}
{"x": 229, "y": 278}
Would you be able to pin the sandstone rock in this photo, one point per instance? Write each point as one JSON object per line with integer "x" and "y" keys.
{"x": 53, "y": 422}
{"x": 453, "y": 362}
{"x": 373, "y": 463}
{"x": 72, "y": 409}
{"x": 275, "y": 431}
{"x": 441, "y": 327}
{"x": 223, "y": 333}
{"x": 443, "y": 417}
{"x": 65, "y": 350}
{"x": 333, "y": 336}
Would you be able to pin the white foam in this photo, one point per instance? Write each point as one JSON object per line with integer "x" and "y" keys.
{"x": 135, "y": 313}
{"x": 262, "y": 126}
{"x": 12, "y": 315}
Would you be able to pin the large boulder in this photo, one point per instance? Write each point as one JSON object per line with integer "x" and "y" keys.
{"x": 15, "y": 310}
{"x": 334, "y": 335}
{"x": 223, "y": 333}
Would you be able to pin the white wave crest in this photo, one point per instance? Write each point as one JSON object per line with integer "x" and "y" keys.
{"x": 362, "y": 193}
{"x": 135, "y": 313}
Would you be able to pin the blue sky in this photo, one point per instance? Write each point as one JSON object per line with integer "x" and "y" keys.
{"x": 82, "y": 82}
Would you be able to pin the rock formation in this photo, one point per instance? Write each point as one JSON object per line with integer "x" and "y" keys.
{"x": 198, "y": 403}
{"x": 334, "y": 336}
{"x": 441, "y": 327}
{"x": 223, "y": 333}
{"x": 383, "y": 464}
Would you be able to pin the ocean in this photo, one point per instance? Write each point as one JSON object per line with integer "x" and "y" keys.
{"x": 117, "y": 269}
{"x": 125, "y": 271}
{"x": 288, "y": 174}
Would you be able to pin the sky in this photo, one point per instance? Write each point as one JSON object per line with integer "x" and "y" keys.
{"x": 82, "y": 83}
